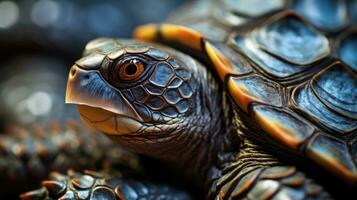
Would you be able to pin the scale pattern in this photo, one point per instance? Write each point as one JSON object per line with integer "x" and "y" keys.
{"x": 297, "y": 78}
{"x": 278, "y": 182}
{"x": 29, "y": 155}
{"x": 167, "y": 91}
{"x": 94, "y": 185}
{"x": 295, "y": 83}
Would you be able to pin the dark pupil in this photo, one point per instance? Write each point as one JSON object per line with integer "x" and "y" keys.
{"x": 131, "y": 69}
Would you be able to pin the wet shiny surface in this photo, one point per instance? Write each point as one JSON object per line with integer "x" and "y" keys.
{"x": 352, "y": 5}
{"x": 107, "y": 184}
{"x": 268, "y": 63}
{"x": 312, "y": 106}
{"x": 211, "y": 30}
{"x": 249, "y": 89}
{"x": 228, "y": 17}
{"x": 292, "y": 40}
{"x": 333, "y": 155}
{"x": 347, "y": 50}
{"x": 283, "y": 125}
{"x": 91, "y": 61}
{"x": 284, "y": 48}
{"x": 29, "y": 155}
{"x": 330, "y": 15}
{"x": 337, "y": 88}
{"x": 84, "y": 88}
{"x": 162, "y": 74}
{"x": 240, "y": 65}
{"x": 253, "y": 8}
{"x": 160, "y": 55}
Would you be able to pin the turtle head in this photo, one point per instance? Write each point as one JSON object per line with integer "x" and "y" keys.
{"x": 142, "y": 95}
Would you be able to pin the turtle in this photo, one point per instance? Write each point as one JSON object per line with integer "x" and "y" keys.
{"x": 243, "y": 99}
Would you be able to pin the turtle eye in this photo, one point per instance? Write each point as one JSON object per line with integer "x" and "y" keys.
{"x": 131, "y": 69}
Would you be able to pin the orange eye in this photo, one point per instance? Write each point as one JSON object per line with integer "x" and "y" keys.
{"x": 131, "y": 70}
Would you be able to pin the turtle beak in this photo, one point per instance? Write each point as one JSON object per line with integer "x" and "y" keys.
{"x": 87, "y": 88}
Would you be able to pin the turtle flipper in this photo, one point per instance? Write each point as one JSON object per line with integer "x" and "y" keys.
{"x": 277, "y": 182}
{"x": 101, "y": 185}
{"x": 28, "y": 155}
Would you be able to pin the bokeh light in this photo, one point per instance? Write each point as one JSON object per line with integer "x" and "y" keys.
{"x": 45, "y": 12}
{"x": 9, "y": 14}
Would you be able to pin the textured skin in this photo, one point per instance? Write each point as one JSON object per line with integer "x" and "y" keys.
{"x": 278, "y": 182}
{"x": 106, "y": 102}
{"x": 95, "y": 185}
{"x": 289, "y": 97}
{"x": 29, "y": 155}
{"x": 294, "y": 84}
{"x": 166, "y": 92}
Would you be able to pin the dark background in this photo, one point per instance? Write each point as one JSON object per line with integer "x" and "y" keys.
{"x": 40, "y": 39}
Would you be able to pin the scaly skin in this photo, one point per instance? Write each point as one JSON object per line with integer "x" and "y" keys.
{"x": 28, "y": 155}
{"x": 215, "y": 154}
{"x": 31, "y": 155}
{"x": 259, "y": 173}
{"x": 102, "y": 185}
{"x": 168, "y": 138}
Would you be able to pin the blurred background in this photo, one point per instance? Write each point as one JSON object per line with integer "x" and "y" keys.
{"x": 39, "y": 41}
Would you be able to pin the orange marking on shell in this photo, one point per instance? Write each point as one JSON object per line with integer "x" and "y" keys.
{"x": 241, "y": 95}
{"x": 221, "y": 63}
{"x": 277, "y": 130}
{"x": 170, "y": 32}
{"x": 332, "y": 165}
{"x": 182, "y": 35}
{"x": 146, "y": 32}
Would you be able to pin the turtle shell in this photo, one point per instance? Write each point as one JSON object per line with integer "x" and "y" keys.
{"x": 291, "y": 68}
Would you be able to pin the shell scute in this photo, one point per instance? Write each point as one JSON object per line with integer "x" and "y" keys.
{"x": 284, "y": 71}
{"x": 254, "y": 88}
{"x": 347, "y": 50}
{"x": 279, "y": 48}
{"x": 329, "y": 99}
{"x": 292, "y": 40}
{"x": 253, "y": 8}
{"x": 337, "y": 88}
{"x": 210, "y": 30}
{"x": 283, "y": 125}
{"x": 226, "y": 60}
{"x": 334, "y": 155}
{"x": 328, "y": 15}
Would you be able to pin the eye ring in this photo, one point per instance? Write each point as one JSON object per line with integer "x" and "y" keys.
{"x": 131, "y": 69}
